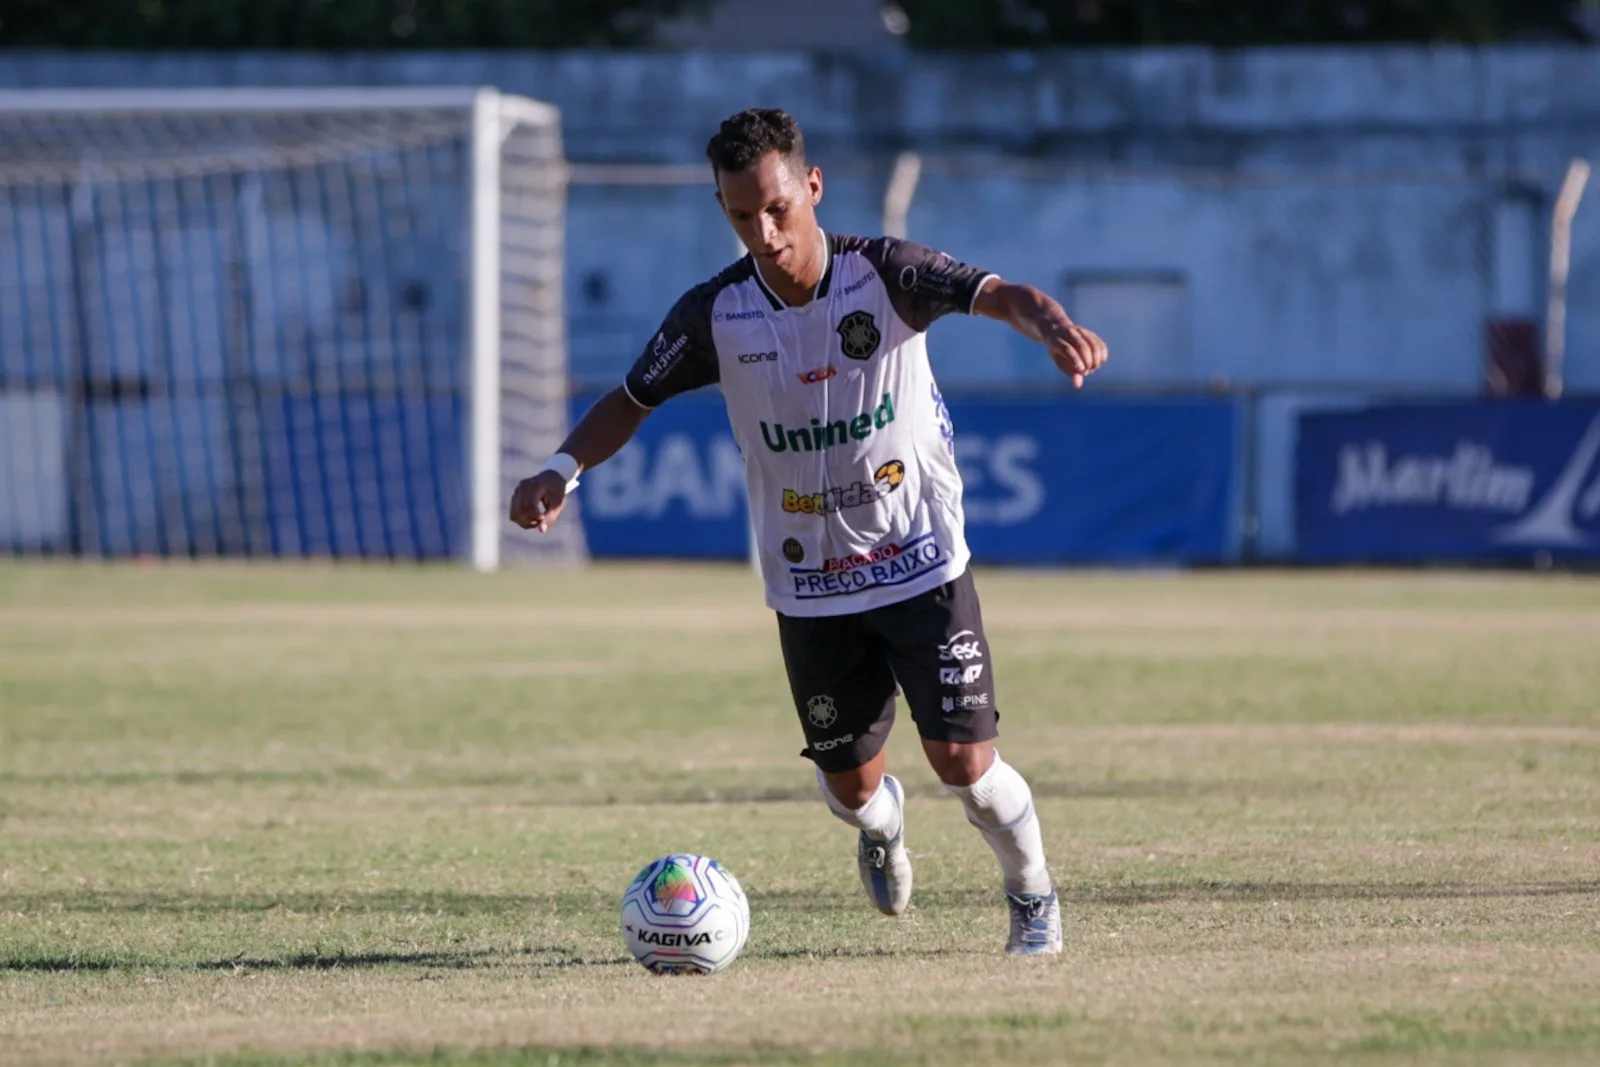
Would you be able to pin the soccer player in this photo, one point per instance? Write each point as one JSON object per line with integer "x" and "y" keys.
{"x": 817, "y": 342}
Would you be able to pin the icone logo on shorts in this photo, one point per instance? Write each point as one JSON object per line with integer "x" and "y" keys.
{"x": 885, "y": 480}
{"x": 832, "y": 743}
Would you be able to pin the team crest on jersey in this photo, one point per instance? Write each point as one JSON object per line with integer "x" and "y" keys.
{"x": 858, "y": 335}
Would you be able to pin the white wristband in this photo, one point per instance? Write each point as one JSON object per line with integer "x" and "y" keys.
{"x": 564, "y": 465}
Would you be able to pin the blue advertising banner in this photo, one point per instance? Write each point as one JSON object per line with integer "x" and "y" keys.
{"x": 1047, "y": 481}
{"x": 1449, "y": 482}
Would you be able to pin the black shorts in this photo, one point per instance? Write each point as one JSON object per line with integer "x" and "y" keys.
{"x": 843, "y": 670}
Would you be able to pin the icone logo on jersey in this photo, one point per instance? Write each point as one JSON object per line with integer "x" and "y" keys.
{"x": 758, "y": 357}
{"x": 915, "y": 557}
{"x": 885, "y": 480}
{"x": 820, "y": 436}
{"x": 817, "y": 376}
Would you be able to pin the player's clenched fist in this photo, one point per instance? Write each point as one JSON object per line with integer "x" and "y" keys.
{"x": 1076, "y": 351}
{"x": 537, "y": 501}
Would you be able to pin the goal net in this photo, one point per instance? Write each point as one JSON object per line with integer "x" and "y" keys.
{"x": 302, "y": 323}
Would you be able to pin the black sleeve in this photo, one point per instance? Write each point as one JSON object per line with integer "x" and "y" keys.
{"x": 681, "y": 356}
{"x": 924, "y": 285}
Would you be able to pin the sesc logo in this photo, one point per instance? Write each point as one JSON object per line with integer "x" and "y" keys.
{"x": 961, "y": 646}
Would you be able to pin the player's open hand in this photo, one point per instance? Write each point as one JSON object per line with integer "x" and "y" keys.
{"x": 537, "y": 502}
{"x": 1076, "y": 350}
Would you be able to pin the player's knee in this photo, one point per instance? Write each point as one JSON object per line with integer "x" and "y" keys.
{"x": 958, "y": 764}
{"x": 853, "y": 788}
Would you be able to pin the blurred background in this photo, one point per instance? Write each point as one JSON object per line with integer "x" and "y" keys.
{"x": 298, "y": 278}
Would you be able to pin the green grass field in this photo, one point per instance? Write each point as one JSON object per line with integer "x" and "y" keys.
{"x": 300, "y": 814}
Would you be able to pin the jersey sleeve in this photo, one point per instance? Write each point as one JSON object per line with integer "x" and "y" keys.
{"x": 680, "y": 357}
{"x": 925, "y": 285}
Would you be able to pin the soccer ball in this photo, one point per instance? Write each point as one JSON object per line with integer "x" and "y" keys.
{"x": 685, "y": 914}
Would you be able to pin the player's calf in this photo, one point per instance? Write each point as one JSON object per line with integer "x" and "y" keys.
{"x": 881, "y": 857}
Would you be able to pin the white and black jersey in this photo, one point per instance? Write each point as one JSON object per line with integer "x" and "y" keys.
{"x": 849, "y": 454}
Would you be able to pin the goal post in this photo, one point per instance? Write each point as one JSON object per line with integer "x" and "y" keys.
{"x": 279, "y": 323}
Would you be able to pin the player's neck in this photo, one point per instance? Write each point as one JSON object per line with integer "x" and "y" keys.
{"x": 798, "y": 289}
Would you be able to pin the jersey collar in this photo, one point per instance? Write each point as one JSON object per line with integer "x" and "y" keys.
{"x": 823, "y": 284}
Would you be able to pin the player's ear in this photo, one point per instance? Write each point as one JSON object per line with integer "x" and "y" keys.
{"x": 814, "y": 184}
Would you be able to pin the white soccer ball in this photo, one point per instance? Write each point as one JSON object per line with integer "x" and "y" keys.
{"x": 685, "y": 914}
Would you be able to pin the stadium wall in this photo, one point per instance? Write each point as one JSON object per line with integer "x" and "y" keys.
{"x": 1328, "y": 216}
{"x": 1321, "y": 228}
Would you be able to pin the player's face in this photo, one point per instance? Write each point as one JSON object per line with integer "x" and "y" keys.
{"x": 772, "y": 207}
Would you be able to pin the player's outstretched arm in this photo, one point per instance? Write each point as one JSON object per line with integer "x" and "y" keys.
{"x": 604, "y": 428}
{"x": 1035, "y": 315}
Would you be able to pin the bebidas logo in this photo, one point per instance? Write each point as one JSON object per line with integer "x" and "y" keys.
{"x": 885, "y": 480}
{"x": 821, "y": 436}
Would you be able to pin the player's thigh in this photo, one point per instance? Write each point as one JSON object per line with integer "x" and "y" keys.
{"x": 843, "y": 688}
{"x": 940, "y": 656}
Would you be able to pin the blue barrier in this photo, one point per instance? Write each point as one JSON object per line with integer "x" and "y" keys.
{"x": 1449, "y": 482}
{"x": 1047, "y": 481}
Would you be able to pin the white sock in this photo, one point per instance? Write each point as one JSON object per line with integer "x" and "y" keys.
{"x": 878, "y": 818}
{"x": 1000, "y": 805}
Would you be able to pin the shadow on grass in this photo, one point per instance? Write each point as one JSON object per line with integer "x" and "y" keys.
{"x": 1267, "y": 892}
{"x": 541, "y": 958}
{"x": 572, "y": 794}
{"x": 546, "y": 958}
{"x": 795, "y": 901}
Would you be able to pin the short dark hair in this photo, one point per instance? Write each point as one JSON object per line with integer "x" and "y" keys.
{"x": 746, "y": 137}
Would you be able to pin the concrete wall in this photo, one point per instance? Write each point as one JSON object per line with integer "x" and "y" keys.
{"x": 1306, "y": 220}
{"x": 1318, "y": 216}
